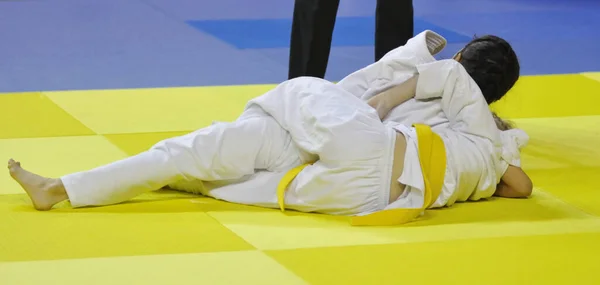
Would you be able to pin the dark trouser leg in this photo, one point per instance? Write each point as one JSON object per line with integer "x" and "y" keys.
{"x": 312, "y": 30}
{"x": 394, "y": 25}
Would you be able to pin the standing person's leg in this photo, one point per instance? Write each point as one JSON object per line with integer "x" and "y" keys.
{"x": 218, "y": 152}
{"x": 310, "y": 43}
{"x": 394, "y": 25}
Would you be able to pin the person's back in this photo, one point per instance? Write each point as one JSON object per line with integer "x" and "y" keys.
{"x": 491, "y": 66}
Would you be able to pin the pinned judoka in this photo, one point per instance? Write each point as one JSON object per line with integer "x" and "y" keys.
{"x": 314, "y": 146}
{"x": 493, "y": 66}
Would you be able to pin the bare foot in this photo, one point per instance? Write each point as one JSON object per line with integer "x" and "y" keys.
{"x": 43, "y": 192}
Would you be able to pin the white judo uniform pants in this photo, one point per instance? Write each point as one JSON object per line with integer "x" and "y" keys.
{"x": 301, "y": 120}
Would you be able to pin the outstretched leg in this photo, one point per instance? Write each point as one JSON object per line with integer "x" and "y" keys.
{"x": 219, "y": 152}
{"x": 43, "y": 192}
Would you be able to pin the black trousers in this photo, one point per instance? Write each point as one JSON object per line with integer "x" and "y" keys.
{"x": 312, "y": 30}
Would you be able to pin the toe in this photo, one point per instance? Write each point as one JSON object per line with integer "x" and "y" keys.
{"x": 13, "y": 163}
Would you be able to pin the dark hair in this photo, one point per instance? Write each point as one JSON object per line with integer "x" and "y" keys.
{"x": 493, "y": 65}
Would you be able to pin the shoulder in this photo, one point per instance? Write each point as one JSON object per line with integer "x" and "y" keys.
{"x": 443, "y": 69}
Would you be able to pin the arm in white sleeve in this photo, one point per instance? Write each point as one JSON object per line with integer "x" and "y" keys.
{"x": 387, "y": 100}
{"x": 461, "y": 99}
{"x": 395, "y": 67}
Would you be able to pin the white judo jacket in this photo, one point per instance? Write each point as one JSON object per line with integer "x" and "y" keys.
{"x": 448, "y": 100}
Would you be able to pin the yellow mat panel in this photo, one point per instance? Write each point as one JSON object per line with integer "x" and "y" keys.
{"x": 165, "y": 236}
{"x": 242, "y": 267}
{"x": 155, "y": 110}
{"x": 56, "y": 156}
{"x": 135, "y": 143}
{"x": 593, "y": 75}
{"x": 507, "y": 260}
{"x": 25, "y": 115}
{"x": 163, "y": 224}
{"x": 563, "y": 158}
{"x": 551, "y": 96}
{"x": 542, "y": 214}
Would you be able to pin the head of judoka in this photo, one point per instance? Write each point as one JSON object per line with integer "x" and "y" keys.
{"x": 493, "y": 65}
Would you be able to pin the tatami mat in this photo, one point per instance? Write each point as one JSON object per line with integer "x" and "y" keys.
{"x": 160, "y": 237}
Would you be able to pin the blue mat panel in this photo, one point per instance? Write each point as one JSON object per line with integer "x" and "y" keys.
{"x": 551, "y": 25}
{"x": 94, "y": 44}
{"x": 71, "y": 44}
{"x": 275, "y": 33}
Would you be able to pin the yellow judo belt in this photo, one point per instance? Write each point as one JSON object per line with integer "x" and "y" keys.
{"x": 432, "y": 157}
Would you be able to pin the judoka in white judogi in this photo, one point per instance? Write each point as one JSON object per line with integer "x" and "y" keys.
{"x": 312, "y": 120}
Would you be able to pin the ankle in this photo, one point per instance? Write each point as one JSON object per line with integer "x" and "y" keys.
{"x": 55, "y": 187}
